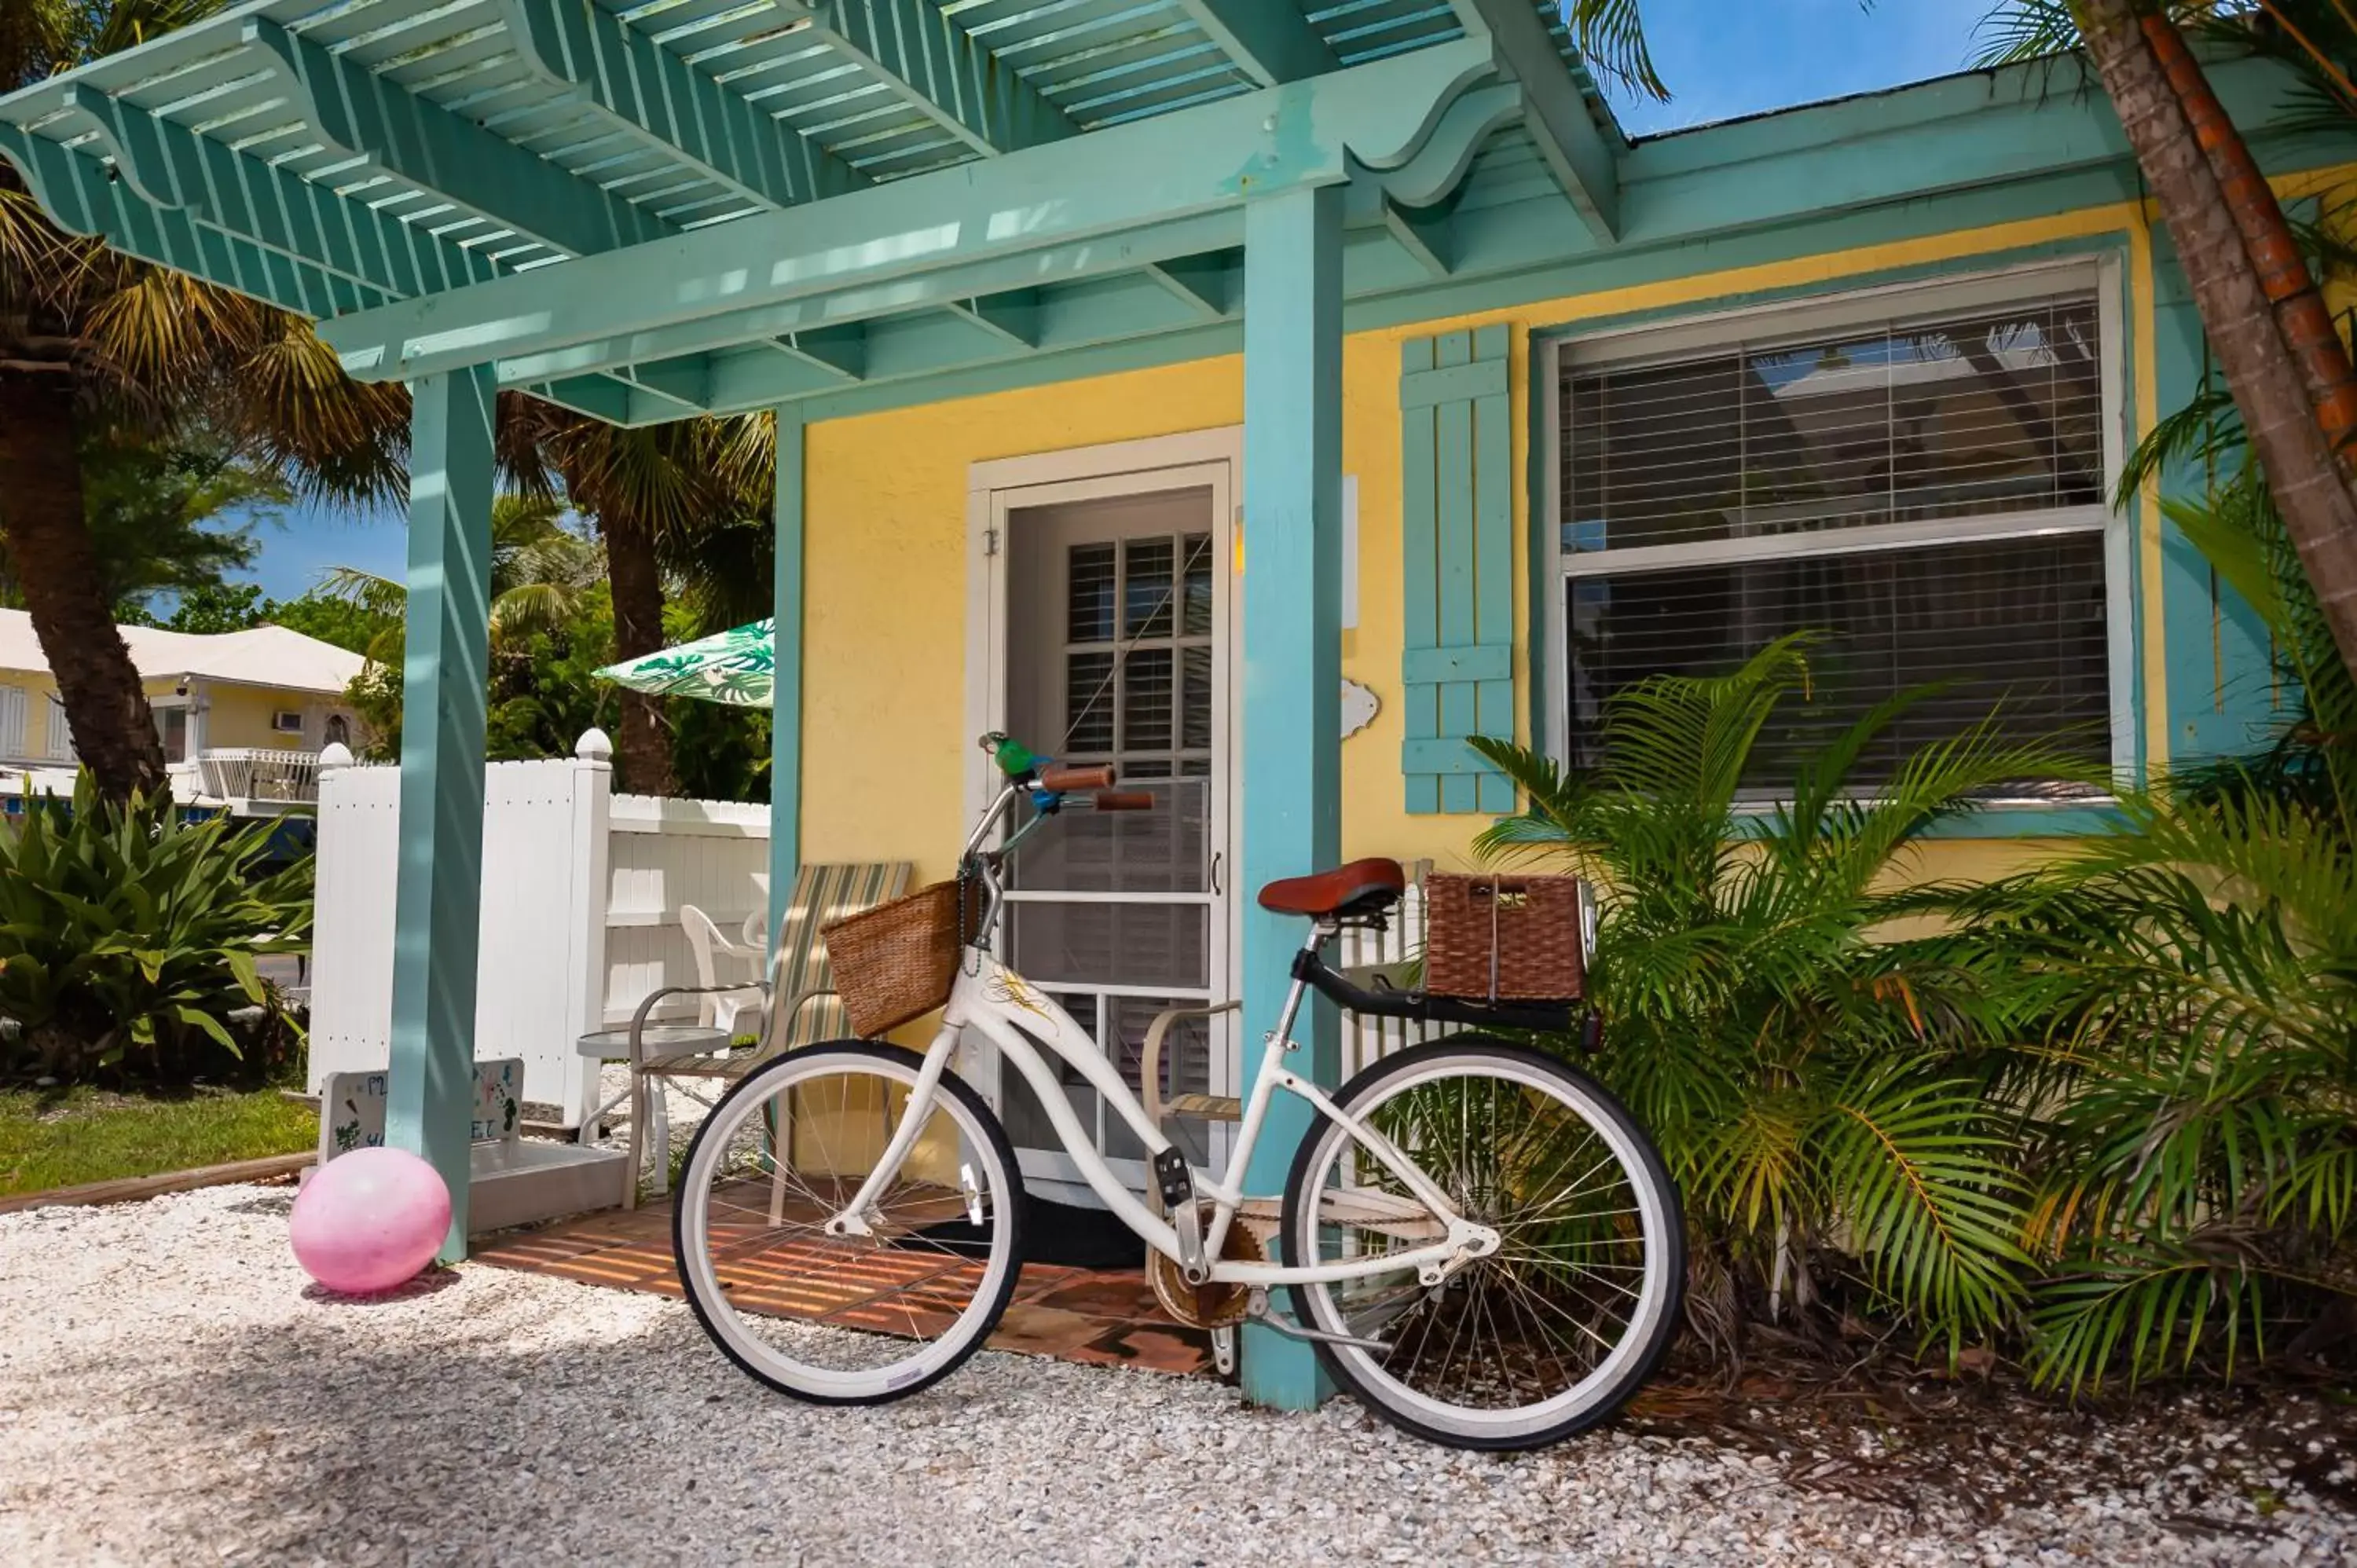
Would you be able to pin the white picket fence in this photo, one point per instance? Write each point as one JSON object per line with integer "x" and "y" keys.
{"x": 582, "y": 890}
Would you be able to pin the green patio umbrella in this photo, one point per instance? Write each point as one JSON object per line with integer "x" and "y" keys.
{"x": 732, "y": 666}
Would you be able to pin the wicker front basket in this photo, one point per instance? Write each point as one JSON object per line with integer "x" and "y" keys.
{"x": 896, "y": 961}
{"x": 1503, "y": 938}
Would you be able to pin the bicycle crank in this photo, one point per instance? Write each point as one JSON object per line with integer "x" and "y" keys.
{"x": 1203, "y": 1305}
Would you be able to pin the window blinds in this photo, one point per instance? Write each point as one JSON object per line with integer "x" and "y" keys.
{"x": 1928, "y": 493}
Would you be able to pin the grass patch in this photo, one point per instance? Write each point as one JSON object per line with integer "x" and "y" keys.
{"x": 66, "y": 1137}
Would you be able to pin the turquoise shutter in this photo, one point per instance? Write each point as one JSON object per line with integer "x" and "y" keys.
{"x": 1458, "y": 535}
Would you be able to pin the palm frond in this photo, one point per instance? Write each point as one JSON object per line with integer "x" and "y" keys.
{"x": 1610, "y": 38}
{"x": 2208, "y": 430}
{"x": 2018, "y": 30}
{"x": 341, "y": 440}
{"x": 126, "y": 24}
{"x": 1933, "y": 1202}
{"x": 2151, "y": 1308}
{"x": 376, "y": 593}
{"x": 36, "y": 37}
{"x": 529, "y": 608}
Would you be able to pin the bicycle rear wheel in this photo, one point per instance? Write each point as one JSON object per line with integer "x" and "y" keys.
{"x": 1555, "y": 1330}
{"x": 848, "y": 1319}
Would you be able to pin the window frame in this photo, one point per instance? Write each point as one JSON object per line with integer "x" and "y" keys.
{"x": 1793, "y": 320}
{"x": 158, "y": 707}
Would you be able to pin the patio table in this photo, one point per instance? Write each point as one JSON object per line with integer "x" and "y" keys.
{"x": 659, "y": 1040}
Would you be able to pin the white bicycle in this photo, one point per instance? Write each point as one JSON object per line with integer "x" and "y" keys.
{"x": 1480, "y": 1242}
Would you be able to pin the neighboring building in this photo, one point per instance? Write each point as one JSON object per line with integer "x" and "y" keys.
{"x": 243, "y": 715}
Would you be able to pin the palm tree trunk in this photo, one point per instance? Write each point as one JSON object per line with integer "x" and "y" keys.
{"x": 56, "y": 567}
{"x": 644, "y": 745}
{"x": 2301, "y": 314}
{"x": 2319, "y": 511}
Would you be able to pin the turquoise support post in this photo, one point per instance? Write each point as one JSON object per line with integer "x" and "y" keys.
{"x": 1292, "y": 667}
{"x": 438, "y": 895}
{"x": 786, "y": 709}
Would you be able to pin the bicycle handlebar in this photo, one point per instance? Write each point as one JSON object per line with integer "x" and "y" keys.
{"x": 1068, "y": 778}
{"x": 1122, "y": 801}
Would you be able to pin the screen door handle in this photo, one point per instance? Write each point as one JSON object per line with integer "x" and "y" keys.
{"x": 1215, "y": 874}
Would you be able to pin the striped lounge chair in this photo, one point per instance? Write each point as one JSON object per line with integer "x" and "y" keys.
{"x": 799, "y": 1005}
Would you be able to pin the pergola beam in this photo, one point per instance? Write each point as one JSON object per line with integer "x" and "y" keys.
{"x": 185, "y": 202}
{"x": 599, "y": 397}
{"x": 1573, "y": 147}
{"x": 1423, "y": 235}
{"x": 945, "y": 290}
{"x": 1097, "y": 193}
{"x": 660, "y": 99}
{"x": 930, "y": 62}
{"x": 173, "y": 166}
{"x": 912, "y": 348}
{"x": 839, "y": 351}
{"x": 1013, "y": 318}
{"x": 1272, "y": 43}
{"x": 368, "y": 117}
{"x": 684, "y": 382}
{"x": 1199, "y": 282}
{"x": 77, "y": 191}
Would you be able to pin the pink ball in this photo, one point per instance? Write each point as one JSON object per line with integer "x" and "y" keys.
{"x": 369, "y": 1220}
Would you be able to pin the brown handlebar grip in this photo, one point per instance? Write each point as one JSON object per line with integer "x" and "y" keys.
{"x": 1124, "y": 801}
{"x": 1067, "y": 779}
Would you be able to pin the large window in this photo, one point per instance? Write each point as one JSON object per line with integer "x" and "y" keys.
{"x": 1921, "y": 477}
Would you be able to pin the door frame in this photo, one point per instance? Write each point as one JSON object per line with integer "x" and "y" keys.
{"x": 997, "y": 486}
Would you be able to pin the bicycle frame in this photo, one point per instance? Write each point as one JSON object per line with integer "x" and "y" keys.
{"x": 1006, "y": 1009}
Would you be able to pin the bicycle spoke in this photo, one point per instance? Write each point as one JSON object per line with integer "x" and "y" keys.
{"x": 803, "y": 1304}
{"x": 1508, "y": 1340}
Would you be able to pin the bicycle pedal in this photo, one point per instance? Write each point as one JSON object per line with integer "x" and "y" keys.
{"x": 1173, "y": 1181}
{"x": 1175, "y": 1187}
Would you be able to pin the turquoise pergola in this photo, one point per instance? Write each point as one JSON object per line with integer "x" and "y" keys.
{"x": 650, "y": 211}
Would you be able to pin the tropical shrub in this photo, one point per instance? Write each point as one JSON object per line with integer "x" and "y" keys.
{"x": 1824, "y": 1061}
{"x": 2198, "y": 1168}
{"x": 2105, "y": 1111}
{"x": 128, "y": 938}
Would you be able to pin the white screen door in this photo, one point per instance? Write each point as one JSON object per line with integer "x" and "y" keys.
{"x": 1116, "y": 596}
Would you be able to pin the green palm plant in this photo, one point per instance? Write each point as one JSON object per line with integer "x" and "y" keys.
{"x": 681, "y": 507}
{"x": 540, "y": 569}
{"x": 1824, "y": 1091}
{"x": 2199, "y": 1169}
{"x": 92, "y": 342}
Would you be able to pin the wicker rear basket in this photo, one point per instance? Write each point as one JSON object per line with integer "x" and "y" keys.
{"x": 896, "y": 961}
{"x": 1505, "y": 939}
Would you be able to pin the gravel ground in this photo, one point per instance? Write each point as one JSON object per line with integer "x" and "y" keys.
{"x": 172, "y": 1391}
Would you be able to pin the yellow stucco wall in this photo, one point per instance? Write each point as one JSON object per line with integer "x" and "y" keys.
{"x": 36, "y": 690}
{"x": 239, "y": 715}
{"x": 885, "y": 622}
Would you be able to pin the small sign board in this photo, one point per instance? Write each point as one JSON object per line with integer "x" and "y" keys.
{"x": 351, "y": 1107}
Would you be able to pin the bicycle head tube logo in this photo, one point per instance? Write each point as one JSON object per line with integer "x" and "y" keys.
{"x": 1012, "y": 990}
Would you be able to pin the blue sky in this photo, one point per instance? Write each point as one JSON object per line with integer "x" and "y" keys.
{"x": 1720, "y": 58}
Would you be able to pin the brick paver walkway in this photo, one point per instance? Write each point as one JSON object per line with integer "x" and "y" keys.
{"x": 1107, "y": 1317}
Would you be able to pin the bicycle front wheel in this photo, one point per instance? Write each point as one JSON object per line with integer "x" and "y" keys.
{"x": 843, "y": 1319}
{"x": 1549, "y": 1334}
